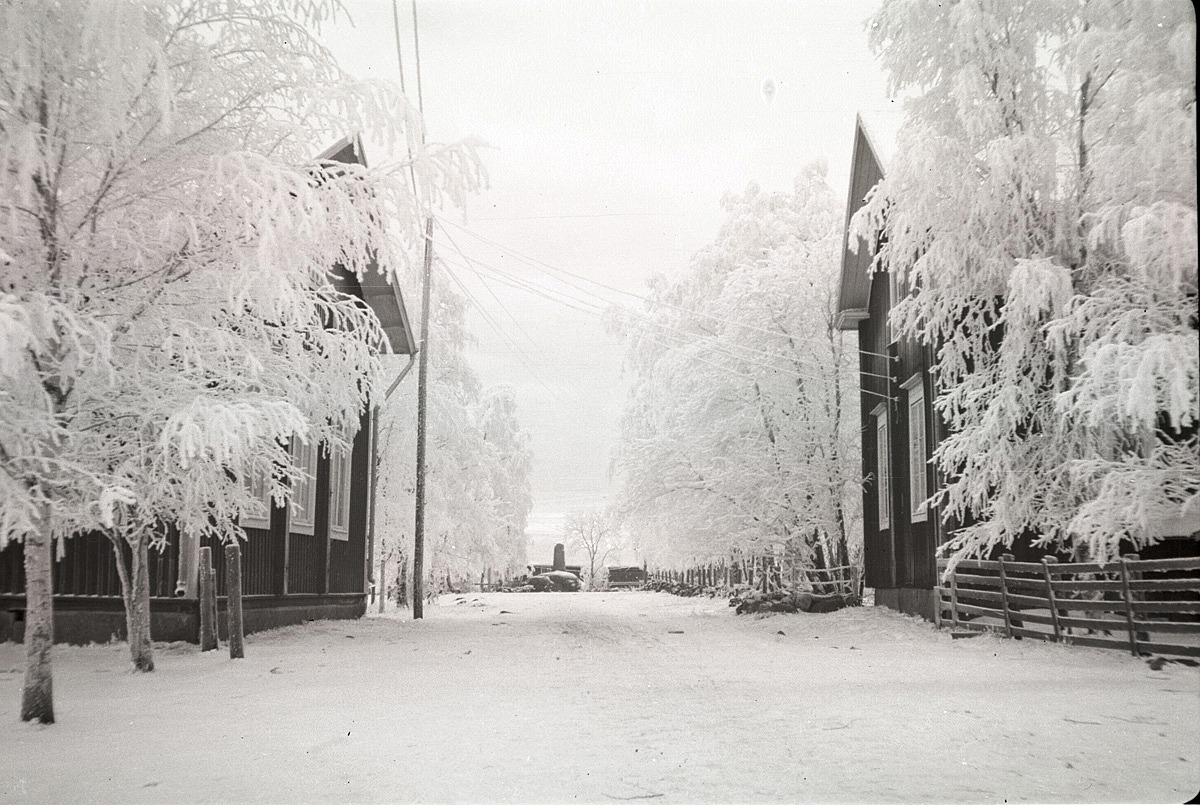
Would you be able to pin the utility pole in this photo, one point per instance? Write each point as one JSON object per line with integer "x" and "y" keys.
{"x": 418, "y": 587}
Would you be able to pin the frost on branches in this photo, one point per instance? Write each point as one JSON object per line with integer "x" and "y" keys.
{"x": 167, "y": 316}
{"x": 740, "y": 433}
{"x": 1042, "y": 213}
{"x": 479, "y": 464}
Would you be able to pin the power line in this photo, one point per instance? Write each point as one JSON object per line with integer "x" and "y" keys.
{"x": 517, "y": 352}
{"x": 726, "y": 349}
{"x": 492, "y": 322}
{"x": 544, "y": 266}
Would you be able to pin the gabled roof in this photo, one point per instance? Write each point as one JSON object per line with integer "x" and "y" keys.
{"x": 380, "y": 294}
{"x": 874, "y": 145}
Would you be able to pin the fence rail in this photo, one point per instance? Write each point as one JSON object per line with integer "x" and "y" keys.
{"x": 1144, "y": 606}
{"x": 766, "y": 573}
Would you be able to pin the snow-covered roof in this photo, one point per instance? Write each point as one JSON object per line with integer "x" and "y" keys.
{"x": 874, "y": 146}
{"x": 882, "y": 128}
{"x": 382, "y": 296}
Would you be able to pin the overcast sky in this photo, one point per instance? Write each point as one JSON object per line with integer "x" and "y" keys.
{"x": 615, "y": 127}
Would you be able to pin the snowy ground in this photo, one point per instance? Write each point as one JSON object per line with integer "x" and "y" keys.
{"x": 603, "y": 697}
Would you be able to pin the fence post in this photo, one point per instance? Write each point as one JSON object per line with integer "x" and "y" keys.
{"x": 208, "y": 596}
{"x": 233, "y": 599}
{"x": 216, "y": 621}
{"x": 1006, "y": 557}
{"x": 1046, "y": 562}
{"x": 855, "y": 582}
{"x": 1133, "y": 637}
{"x": 954, "y": 598}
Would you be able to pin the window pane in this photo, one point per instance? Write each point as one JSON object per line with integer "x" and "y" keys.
{"x": 339, "y": 491}
{"x": 883, "y": 455}
{"x": 261, "y": 516}
{"x": 916, "y": 451}
{"x": 304, "y": 497}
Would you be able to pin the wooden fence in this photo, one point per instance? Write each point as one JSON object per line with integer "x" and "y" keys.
{"x": 1150, "y": 606}
{"x": 769, "y": 574}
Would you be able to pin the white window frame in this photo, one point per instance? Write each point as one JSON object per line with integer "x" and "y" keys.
{"x": 883, "y": 464}
{"x": 304, "y": 493}
{"x": 918, "y": 457}
{"x": 894, "y": 294}
{"x": 261, "y": 491}
{"x": 339, "y": 490}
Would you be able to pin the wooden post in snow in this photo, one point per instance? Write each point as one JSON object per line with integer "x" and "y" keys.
{"x": 208, "y": 626}
{"x": 1008, "y": 557}
{"x": 1046, "y": 562}
{"x": 233, "y": 599}
{"x": 1128, "y": 595}
{"x": 216, "y": 621}
{"x": 381, "y": 587}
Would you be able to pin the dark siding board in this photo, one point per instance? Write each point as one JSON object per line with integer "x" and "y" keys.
{"x": 348, "y": 557}
{"x": 257, "y": 552}
{"x": 88, "y": 567}
{"x": 876, "y": 387}
{"x": 167, "y": 566}
{"x": 305, "y": 564}
{"x": 916, "y": 546}
{"x": 12, "y": 569}
{"x": 903, "y": 556}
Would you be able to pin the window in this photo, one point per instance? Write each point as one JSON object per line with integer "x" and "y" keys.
{"x": 883, "y": 463}
{"x": 304, "y": 495}
{"x": 917, "y": 464}
{"x": 339, "y": 490}
{"x": 260, "y": 516}
{"x": 893, "y": 299}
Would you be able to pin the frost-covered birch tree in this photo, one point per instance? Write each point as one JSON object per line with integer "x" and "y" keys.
{"x": 740, "y": 431}
{"x": 1041, "y": 214}
{"x": 167, "y": 317}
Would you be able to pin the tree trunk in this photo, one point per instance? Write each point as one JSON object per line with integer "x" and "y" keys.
{"x": 133, "y": 562}
{"x": 37, "y": 695}
{"x": 137, "y": 617}
{"x": 122, "y": 561}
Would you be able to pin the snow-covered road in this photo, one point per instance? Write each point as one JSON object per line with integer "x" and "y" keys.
{"x": 603, "y": 697}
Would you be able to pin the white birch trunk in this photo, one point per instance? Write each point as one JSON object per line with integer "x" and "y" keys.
{"x": 137, "y": 616}
{"x": 37, "y": 695}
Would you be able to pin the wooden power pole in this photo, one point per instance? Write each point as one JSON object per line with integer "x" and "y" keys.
{"x": 418, "y": 587}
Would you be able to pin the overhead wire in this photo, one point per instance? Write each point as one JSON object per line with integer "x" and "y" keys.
{"x": 544, "y": 266}
{"x": 682, "y": 339}
{"x": 517, "y": 352}
{"x": 727, "y": 349}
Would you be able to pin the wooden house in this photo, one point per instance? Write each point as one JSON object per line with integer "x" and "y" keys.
{"x": 900, "y": 531}
{"x": 299, "y": 565}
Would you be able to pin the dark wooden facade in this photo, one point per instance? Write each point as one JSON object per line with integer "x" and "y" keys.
{"x": 900, "y": 544}
{"x": 900, "y": 547}
{"x": 287, "y": 576}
